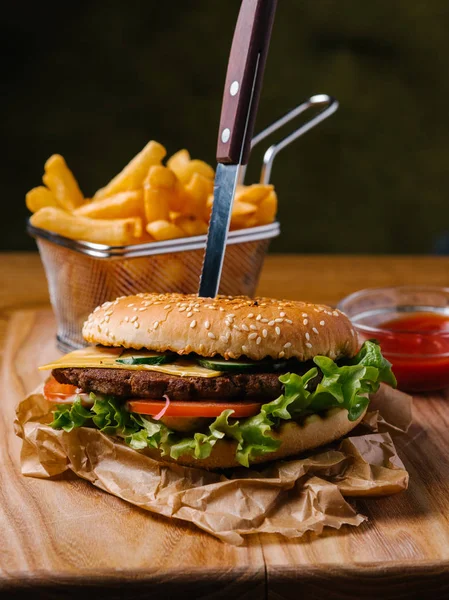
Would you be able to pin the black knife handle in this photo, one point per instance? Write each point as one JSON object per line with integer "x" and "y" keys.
{"x": 245, "y": 71}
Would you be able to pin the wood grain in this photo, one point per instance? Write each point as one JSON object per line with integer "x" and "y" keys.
{"x": 65, "y": 537}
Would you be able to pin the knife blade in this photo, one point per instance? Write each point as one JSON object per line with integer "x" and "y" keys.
{"x": 238, "y": 113}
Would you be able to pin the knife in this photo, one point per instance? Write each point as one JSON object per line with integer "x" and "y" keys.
{"x": 238, "y": 113}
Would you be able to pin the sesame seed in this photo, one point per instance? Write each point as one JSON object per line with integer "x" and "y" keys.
{"x": 189, "y": 314}
{"x": 126, "y": 319}
{"x": 196, "y": 310}
{"x": 135, "y": 309}
{"x": 236, "y": 327}
{"x": 212, "y": 335}
{"x": 108, "y": 313}
{"x": 231, "y": 315}
{"x": 264, "y": 333}
{"x": 259, "y": 339}
{"x": 245, "y": 327}
{"x": 221, "y": 309}
{"x": 166, "y": 307}
{"x": 305, "y": 321}
{"x": 182, "y": 309}
{"x": 315, "y": 330}
{"x": 156, "y": 324}
{"x": 335, "y": 313}
{"x": 258, "y": 318}
{"x": 277, "y": 330}
{"x": 287, "y": 345}
{"x": 244, "y": 349}
{"x": 207, "y": 324}
{"x": 289, "y": 321}
{"x": 106, "y": 319}
{"x": 307, "y": 336}
{"x": 251, "y": 315}
{"x": 282, "y": 314}
{"x": 308, "y": 344}
{"x": 253, "y": 327}
{"x": 136, "y": 324}
{"x": 97, "y": 309}
{"x": 142, "y": 309}
{"x": 271, "y": 323}
{"x": 134, "y": 319}
{"x": 264, "y": 320}
{"x": 252, "y": 336}
{"x": 129, "y": 305}
{"x": 278, "y": 320}
{"x": 305, "y": 315}
{"x": 193, "y": 324}
{"x": 281, "y": 354}
{"x": 322, "y": 323}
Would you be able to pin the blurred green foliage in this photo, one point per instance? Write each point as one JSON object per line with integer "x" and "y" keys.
{"x": 95, "y": 80}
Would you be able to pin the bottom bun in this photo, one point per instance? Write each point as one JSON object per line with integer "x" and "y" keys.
{"x": 313, "y": 432}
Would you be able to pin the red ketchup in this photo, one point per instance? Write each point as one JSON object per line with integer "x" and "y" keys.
{"x": 417, "y": 344}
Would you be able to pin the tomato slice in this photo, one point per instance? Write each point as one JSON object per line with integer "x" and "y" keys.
{"x": 179, "y": 408}
{"x": 63, "y": 393}
{"x": 53, "y": 390}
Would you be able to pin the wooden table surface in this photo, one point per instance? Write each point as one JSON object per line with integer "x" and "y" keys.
{"x": 65, "y": 538}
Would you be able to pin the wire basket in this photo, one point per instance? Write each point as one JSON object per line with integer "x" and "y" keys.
{"x": 82, "y": 275}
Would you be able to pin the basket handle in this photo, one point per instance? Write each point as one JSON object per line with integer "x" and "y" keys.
{"x": 329, "y": 105}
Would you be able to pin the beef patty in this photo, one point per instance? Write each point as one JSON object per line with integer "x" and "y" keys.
{"x": 151, "y": 384}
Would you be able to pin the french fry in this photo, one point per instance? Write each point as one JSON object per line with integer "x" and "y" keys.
{"x": 113, "y": 232}
{"x": 179, "y": 160}
{"x": 184, "y": 167}
{"x": 164, "y": 230}
{"x": 191, "y": 225}
{"x": 60, "y": 181}
{"x": 195, "y": 166}
{"x": 266, "y": 212}
{"x": 133, "y": 175}
{"x": 39, "y": 197}
{"x": 161, "y": 193}
{"x": 120, "y": 206}
{"x": 197, "y": 192}
{"x": 243, "y": 215}
{"x": 253, "y": 193}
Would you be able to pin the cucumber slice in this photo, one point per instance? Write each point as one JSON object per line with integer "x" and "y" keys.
{"x": 145, "y": 358}
{"x": 239, "y": 366}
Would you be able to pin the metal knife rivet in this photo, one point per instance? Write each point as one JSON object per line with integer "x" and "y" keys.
{"x": 225, "y": 135}
{"x": 234, "y": 88}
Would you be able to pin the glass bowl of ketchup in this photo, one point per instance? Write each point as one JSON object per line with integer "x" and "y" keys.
{"x": 411, "y": 323}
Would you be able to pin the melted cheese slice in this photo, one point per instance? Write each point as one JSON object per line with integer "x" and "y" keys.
{"x": 106, "y": 358}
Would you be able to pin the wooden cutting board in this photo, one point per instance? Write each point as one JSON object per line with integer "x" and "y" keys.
{"x": 66, "y": 538}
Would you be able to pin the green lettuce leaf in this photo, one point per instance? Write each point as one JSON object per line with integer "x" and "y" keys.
{"x": 347, "y": 385}
{"x": 69, "y": 416}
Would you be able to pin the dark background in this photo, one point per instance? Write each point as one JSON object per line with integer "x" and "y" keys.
{"x": 94, "y": 81}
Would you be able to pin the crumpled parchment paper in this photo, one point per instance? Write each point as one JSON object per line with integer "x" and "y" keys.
{"x": 288, "y": 496}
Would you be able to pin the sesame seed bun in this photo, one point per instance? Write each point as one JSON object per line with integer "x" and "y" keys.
{"x": 296, "y": 437}
{"x": 228, "y": 326}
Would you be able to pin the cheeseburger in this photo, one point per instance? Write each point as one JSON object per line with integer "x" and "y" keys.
{"x": 216, "y": 383}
